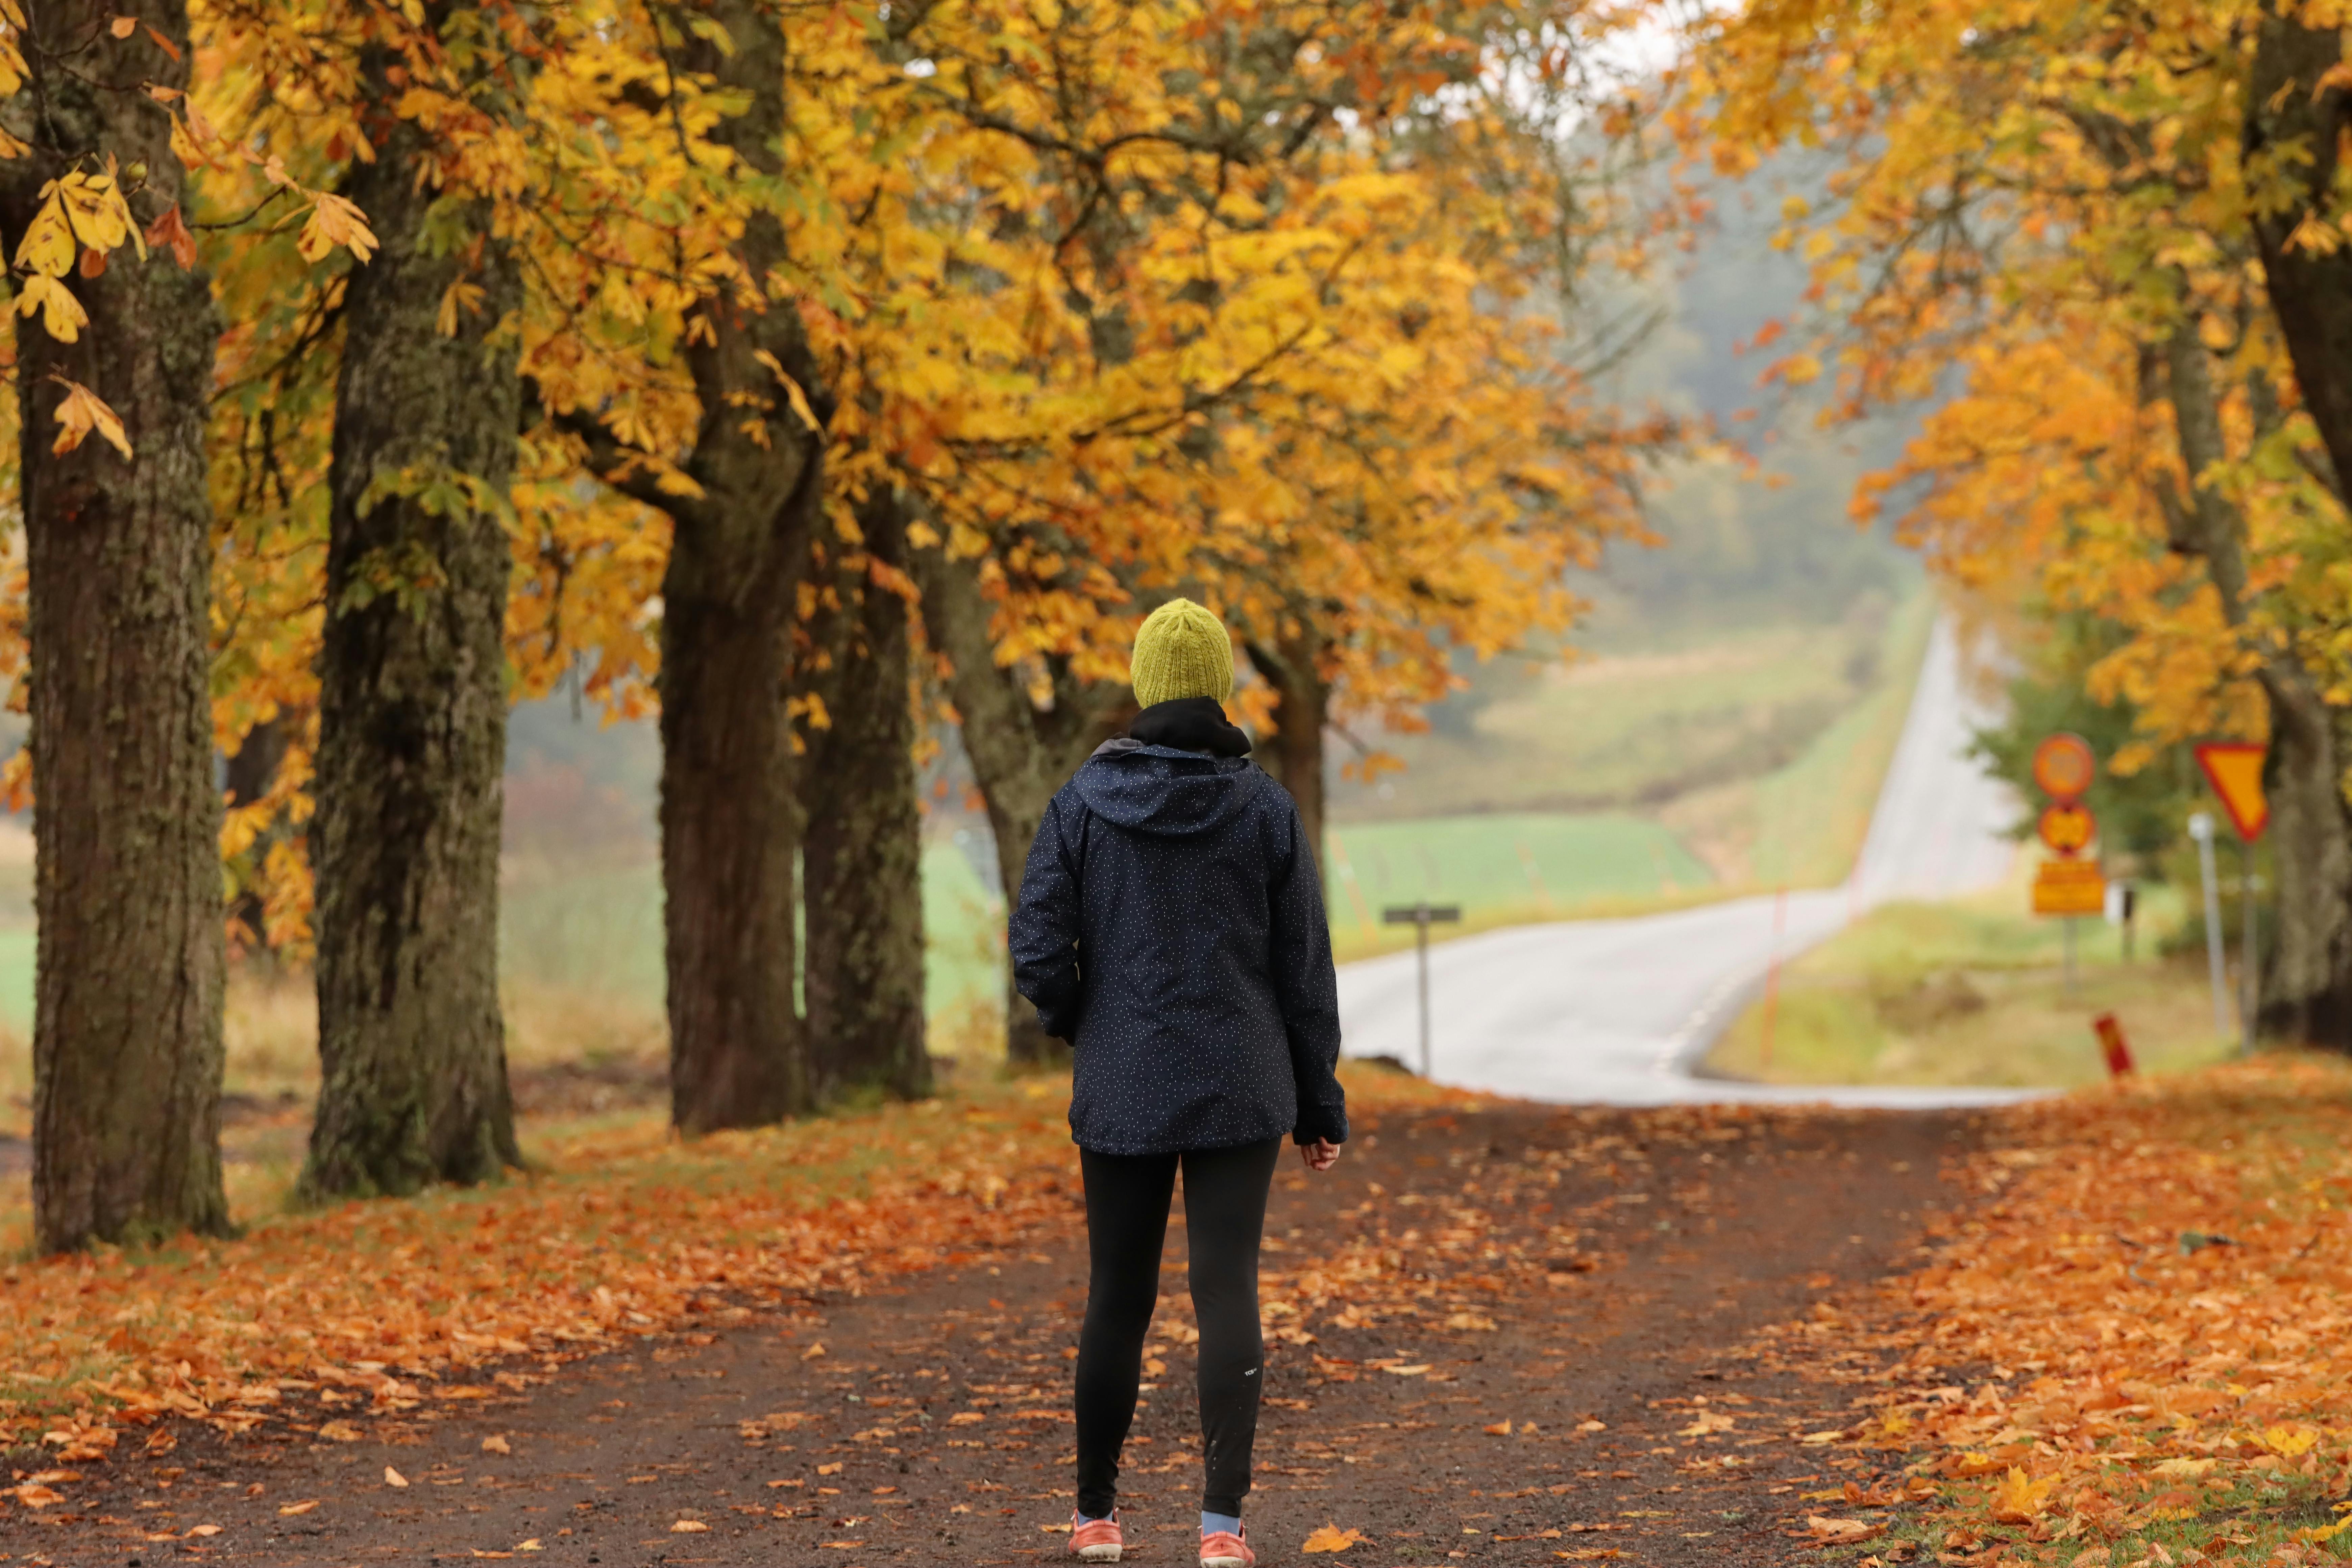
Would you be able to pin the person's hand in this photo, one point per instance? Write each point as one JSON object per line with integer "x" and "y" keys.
{"x": 1319, "y": 1156}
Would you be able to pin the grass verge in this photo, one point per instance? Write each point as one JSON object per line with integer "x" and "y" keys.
{"x": 1971, "y": 992}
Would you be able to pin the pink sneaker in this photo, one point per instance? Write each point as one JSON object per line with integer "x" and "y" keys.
{"x": 1095, "y": 1539}
{"x": 1227, "y": 1550}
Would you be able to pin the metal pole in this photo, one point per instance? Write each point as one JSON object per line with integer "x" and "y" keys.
{"x": 2250, "y": 983}
{"x": 2069, "y": 923}
{"x": 2201, "y": 829}
{"x": 1420, "y": 933}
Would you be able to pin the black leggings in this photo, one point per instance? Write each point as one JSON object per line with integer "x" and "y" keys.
{"x": 1126, "y": 1220}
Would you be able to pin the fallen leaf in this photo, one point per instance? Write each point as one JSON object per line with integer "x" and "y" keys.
{"x": 1407, "y": 1370}
{"x": 393, "y": 1477}
{"x": 123, "y": 27}
{"x": 2018, "y": 1499}
{"x": 1593, "y": 1426}
{"x": 1708, "y": 1421}
{"x": 1499, "y": 1429}
{"x": 814, "y": 1352}
{"x": 841, "y": 1545}
{"x": 1331, "y": 1538}
{"x": 202, "y": 1530}
{"x": 2290, "y": 1442}
{"x": 293, "y": 1509}
{"x": 32, "y": 1494}
{"x": 339, "y": 1432}
{"x": 1817, "y": 1438}
{"x": 495, "y": 1444}
{"x": 530, "y": 1545}
{"x": 1841, "y": 1531}
{"x": 688, "y": 1527}
{"x": 965, "y": 1417}
{"x": 832, "y": 1469}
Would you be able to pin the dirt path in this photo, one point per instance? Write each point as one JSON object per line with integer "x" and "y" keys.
{"x": 1621, "y": 1258}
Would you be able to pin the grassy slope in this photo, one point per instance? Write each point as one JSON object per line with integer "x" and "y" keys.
{"x": 1972, "y": 993}
{"x": 1802, "y": 825}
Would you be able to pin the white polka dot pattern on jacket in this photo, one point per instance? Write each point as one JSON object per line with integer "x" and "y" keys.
{"x": 1170, "y": 926}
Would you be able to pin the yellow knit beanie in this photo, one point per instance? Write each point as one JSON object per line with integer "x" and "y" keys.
{"x": 1181, "y": 650}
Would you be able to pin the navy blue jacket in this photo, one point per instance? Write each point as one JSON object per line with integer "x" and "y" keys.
{"x": 1171, "y": 928}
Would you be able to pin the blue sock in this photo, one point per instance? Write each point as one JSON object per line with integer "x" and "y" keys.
{"x": 1086, "y": 1518}
{"x": 1212, "y": 1522}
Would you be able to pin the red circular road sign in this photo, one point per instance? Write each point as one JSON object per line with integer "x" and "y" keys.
{"x": 2063, "y": 767}
{"x": 2068, "y": 829}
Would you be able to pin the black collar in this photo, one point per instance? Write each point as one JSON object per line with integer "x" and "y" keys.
{"x": 1190, "y": 724}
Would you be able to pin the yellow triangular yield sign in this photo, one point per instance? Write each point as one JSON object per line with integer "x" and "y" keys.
{"x": 2234, "y": 768}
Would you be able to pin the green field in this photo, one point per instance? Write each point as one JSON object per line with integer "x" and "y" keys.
{"x": 601, "y": 932}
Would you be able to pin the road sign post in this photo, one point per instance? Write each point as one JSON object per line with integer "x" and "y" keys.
{"x": 2234, "y": 768}
{"x": 1420, "y": 917}
{"x": 2201, "y": 829}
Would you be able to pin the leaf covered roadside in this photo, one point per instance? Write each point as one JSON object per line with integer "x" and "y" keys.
{"x": 319, "y": 1320}
{"x": 2135, "y": 1350}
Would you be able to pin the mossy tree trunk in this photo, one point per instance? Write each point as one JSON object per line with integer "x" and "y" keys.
{"x": 730, "y": 825}
{"x": 861, "y": 855}
{"x": 250, "y": 773}
{"x": 1020, "y": 752}
{"x": 2310, "y": 284}
{"x": 413, "y": 690}
{"x": 127, "y": 1053}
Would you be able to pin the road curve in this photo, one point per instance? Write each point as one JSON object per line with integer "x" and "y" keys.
{"x": 1618, "y": 1012}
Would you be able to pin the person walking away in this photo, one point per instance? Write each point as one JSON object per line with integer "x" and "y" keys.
{"x": 1170, "y": 927}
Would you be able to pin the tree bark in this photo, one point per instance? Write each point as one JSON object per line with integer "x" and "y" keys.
{"x": 250, "y": 771}
{"x": 861, "y": 877}
{"x": 730, "y": 825}
{"x": 2306, "y": 985}
{"x": 1021, "y": 753}
{"x": 413, "y": 691}
{"x": 2310, "y": 289}
{"x": 1293, "y": 667}
{"x": 127, "y": 1052}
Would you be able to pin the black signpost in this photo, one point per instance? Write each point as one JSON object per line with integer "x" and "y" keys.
{"x": 1419, "y": 915}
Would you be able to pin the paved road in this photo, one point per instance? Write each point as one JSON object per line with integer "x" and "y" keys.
{"x": 1618, "y": 1011}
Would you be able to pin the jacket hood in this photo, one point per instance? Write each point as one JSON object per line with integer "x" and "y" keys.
{"x": 1161, "y": 790}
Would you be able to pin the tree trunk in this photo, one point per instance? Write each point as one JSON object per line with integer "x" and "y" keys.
{"x": 2307, "y": 986}
{"x": 1020, "y": 752}
{"x": 413, "y": 691}
{"x": 862, "y": 882}
{"x": 1293, "y": 667}
{"x": 127, "y": 1053}
{"x": 2310, "y": 286}
{"x": 730, "y": 825}
{"x": 251, "y": 770}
